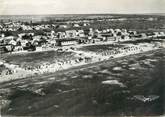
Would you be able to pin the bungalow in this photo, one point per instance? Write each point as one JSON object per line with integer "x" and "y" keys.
{"x": 27, "y": 34}
{"x": 63, "y": 26}
{"x": 21, "y": 35}
{"x": 156, "y": 34}
{"x": 1, "y": 41}
{"x": 150, "y": 34}
{"x": 111, "y": 39}
{"x": 61, "y": 35}
{"x": 9, "y": 48}
{"x": 124, "y": 31}
{"x": 132, "y": 33}
{"x": 76, "y": 25}
{"x": 66, "y": 42}
{"x": 117, "y": 38}
{"x": 2, "y": 35}
{"x": 106, "y": 35}
{"x": 8, "y": 39}
{"x": 23, "y": 43}
{"x": 97, "y": 31}
{"x": 2, "y": 49}
{"x": 50, "y": 34}
{"x": 144, "y": 35}
{"x": 38, "y": 37}
{"x": 117, "y": 30}
{"x": 71, "y": 33}
{"x": 87, "y": 23}
{"x": 111, "y": 31}
{"x": 91, "y": 33}
{"x": 35, "y": 42}
{"x": 84, "y": 40}
{"x": 162, "y": 33}
{"x": 80, "y": 33}
{"x": 18, "y": 48}
{"x": 124, "y": 37}
{"x": 13, "y": 42}
{"x": 96, "y": 40}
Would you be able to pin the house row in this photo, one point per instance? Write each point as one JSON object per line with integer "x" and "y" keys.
{"x": 70, "y": 37}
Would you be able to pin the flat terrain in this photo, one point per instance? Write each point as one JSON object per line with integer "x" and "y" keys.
{"x": 83, "y": 91}
{"x": 100, "y": 48}
{"x": 38, "y": 58}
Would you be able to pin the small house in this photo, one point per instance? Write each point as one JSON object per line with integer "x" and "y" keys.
{"x": 66, "y": 42}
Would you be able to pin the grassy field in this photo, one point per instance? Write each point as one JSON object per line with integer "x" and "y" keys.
{"x": 142, "y": 41}
{"x": 82, "y": 92}
{"x": 100, "y": 48}
{"x": 38, "y": 58}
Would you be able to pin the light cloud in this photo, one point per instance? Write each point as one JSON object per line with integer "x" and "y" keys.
{"x": 80, "y": 6}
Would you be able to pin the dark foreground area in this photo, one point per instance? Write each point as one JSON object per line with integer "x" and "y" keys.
{"x": 116, "y": 87}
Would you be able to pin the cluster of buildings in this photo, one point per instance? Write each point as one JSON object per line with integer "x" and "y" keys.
{"x": 17, "y": 26}
{"x": 30, "y": 41}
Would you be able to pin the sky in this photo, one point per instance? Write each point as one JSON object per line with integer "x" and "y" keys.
{"x": 25, "y": 7}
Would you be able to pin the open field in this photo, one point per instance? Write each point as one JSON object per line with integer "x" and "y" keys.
{"x": 142, "y": 41}
{"x": 36, "y": 59}
{"x": 100, "y": 48}
{"x": 87, "y": 91}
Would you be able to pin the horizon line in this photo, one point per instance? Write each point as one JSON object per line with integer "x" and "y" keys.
{"x": 88, "y": 14}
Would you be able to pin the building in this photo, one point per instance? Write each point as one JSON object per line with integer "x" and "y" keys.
{"x": 66, "y": 42}
{"x": 76, "y": 25}
{"x": 2, "y": 49}
{"x": 61, "y": 35}
{"x": 63, "y": 26}
{"x": 80, "y": 33}
{"x": 71, "y": 33}
{"x": 84, "y": 40}
{"x": 106, "y": 36}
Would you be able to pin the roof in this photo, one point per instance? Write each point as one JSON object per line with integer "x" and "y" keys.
{"x": 106, "y": 34}
{"x": 66, "y": 39}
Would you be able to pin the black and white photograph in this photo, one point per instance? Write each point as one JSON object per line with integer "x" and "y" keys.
{"x": 82, "y": 58}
